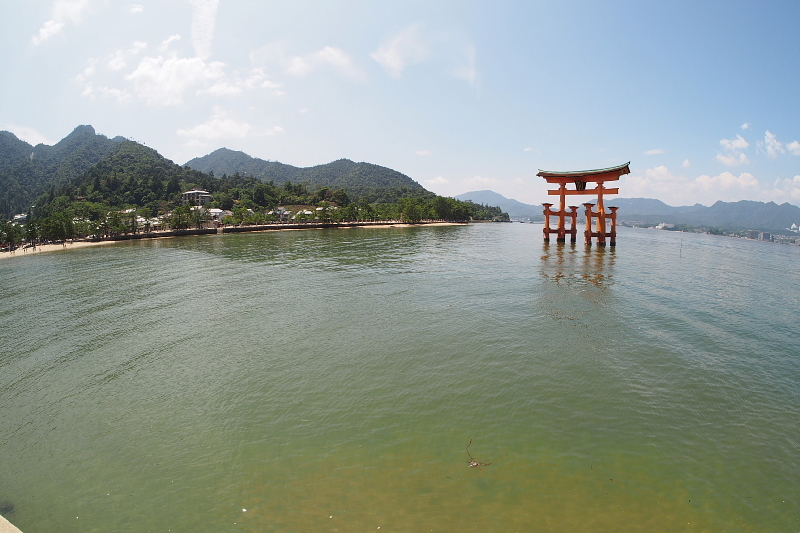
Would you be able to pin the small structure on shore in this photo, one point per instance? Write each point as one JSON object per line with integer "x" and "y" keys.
{"x": 596, "y": 225}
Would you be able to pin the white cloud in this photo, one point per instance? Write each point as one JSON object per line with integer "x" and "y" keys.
{"x": 438, "y": 180}
{"x": 88, "y": 71}
{"x": 733, "y": 148}
{"x": 734, "y": 145}
{"x": 219, "y": 127}
{"x": 50, "y": 28}
{"x": 234, "y": 84}
{"x": 69, "y": 10}
{"x": 135, "y": 8}
{"x": 726, "y": 182}
{"x": 168, "y": 41}
{"x": 746, "y": 126}
{"x": 204, "y": 21}
{"x": 327, "y": 56}
{"x": 733, "y": 160}
{"x": 164, "y": 81}
{"x": 794, "y": 148}
{"x": 655, "y": 151}
{"x": 27, "y": 134}
{"x": 64, "y": 11}
{"x": 686, "y": 164}
{"x": 167, "y": 79}
{"x": 772, "y": 145}
{"x": 407, "y": 47}
{"x": 117, "y": 61}
{"x": 674, "y": 189}
{"x": 423, "y": 152}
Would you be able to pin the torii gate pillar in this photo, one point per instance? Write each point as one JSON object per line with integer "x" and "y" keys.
{"x": 597, "y": 221}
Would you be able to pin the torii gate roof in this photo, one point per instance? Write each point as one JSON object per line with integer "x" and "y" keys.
{"x": 600, "y": 174}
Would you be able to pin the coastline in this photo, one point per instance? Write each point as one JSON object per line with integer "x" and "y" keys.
{"x": 73, "y": 245}
{"x": 7, "y": 527}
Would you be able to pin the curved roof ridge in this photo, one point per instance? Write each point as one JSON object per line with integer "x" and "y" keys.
{"x": 544, "y": 173}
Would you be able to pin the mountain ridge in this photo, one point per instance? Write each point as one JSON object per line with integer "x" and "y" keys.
{"x": 358, "y": 179}
{"x": 741, "y": 215}
{"x": 27, "y": 172}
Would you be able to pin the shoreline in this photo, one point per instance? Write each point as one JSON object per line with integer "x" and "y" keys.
{"x": 76, "y": 244}
{"x": 7, "y": 527}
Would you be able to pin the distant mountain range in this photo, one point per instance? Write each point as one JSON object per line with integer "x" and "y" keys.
{"x": 358, "y": 179}
{"x": 514, "y": 208}
{"x": 742, "y": 215}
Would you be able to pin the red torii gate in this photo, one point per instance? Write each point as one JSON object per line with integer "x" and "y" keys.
{"x": 580, "y": 178}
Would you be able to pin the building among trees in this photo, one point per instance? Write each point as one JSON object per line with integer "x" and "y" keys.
{"x": 196, "y": 197}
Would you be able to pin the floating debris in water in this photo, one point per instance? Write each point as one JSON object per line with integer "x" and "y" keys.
{"x": 472, "y": 462}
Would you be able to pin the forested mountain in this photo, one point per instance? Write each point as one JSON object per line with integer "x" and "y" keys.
{"x": 88, "y": 184}
{"x": 373, "y": 183}
{"x": 133, "y": 174}
{"x": 27, "y": 171}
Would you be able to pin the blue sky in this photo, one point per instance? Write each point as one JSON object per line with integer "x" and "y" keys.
{"x": 702, "y": 97}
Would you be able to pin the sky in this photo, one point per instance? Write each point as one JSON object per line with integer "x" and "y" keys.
{"x": 702, "y": 97}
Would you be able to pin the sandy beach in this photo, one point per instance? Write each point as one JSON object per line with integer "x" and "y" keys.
{"x": 7, "y": 527}
{"x": 20, "y": 252}
{"x": 47, "y": 248}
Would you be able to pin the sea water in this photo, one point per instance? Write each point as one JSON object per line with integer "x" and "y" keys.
{"x": 333, "y": 380}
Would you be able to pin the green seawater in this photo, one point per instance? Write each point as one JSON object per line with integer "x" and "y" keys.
{"x": 331, "y": 380}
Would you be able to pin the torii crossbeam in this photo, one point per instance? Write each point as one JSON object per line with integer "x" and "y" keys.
{"x": 580, "y": 178}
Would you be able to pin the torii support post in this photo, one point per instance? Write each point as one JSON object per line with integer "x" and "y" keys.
{"x": 547, "y": 214}
{"x": 573, "y": 216}
{"x": 580, "y": 179}
{"x": 589, "y": 215}
{"x": 613, "y": 232}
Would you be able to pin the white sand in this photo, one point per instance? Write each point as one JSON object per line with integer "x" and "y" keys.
{"x": 7, "y": 527}
{"x": 20, "y": 252}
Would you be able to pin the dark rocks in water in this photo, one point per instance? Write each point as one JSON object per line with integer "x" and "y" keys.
{"x": 6, "y": 508}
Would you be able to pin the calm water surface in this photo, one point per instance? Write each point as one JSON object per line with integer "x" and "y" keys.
{"x": 330, "y": 380}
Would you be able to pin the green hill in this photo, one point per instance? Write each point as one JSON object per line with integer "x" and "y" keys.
{"x": 88, "y": 184}
{"x": 26, "y": 171}
{"x": 133, "y": 174}
{"x": 366, "y": 181}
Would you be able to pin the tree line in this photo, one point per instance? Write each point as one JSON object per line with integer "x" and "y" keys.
{"x": 115, "y": 203}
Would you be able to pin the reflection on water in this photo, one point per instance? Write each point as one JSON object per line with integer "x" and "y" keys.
{"x": 577, "y": 289}
{"x": 571, "y": 262}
